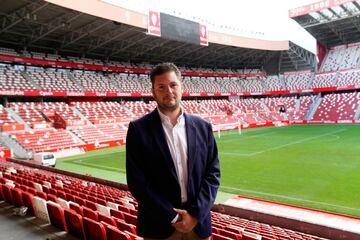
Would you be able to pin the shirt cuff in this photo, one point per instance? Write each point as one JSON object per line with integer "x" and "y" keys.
{"x": 175, "y": 218}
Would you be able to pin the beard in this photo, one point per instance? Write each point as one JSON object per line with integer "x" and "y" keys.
{"x": 168, "y": 107}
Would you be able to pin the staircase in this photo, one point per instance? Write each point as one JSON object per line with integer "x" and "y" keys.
{"x": 29, "y": 79}
{"x": 81, "y": 115}
{"x": 76, "y": 139}
{"x": 18, "y": 119}
{"x": 72, "y": 78}
{"x": 18, "y": 150}
{"x": 313, "y": 107}
{"x": 357, "y": 112}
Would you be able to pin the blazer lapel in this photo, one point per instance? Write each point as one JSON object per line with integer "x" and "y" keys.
{"x": 191, "y": 141}
{"x": 159, "y": 135}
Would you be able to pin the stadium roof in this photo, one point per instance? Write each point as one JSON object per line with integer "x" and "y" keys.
{"x": 42, "y": 26}
{"x": 333, "y": 25}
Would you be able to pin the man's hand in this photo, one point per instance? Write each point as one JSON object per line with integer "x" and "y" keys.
{"x": 186, "y": 222}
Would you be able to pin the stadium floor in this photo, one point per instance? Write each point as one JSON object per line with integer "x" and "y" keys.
{"x": 315, "y": 166}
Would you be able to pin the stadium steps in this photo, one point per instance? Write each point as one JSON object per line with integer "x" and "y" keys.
{"x": 75, "y": 137}
{"x": 282, "y": 80}
{"x": 73, "y": 78}
{"x": 81, "y": 115}
{"x": 18, "y": 119}
{"x": 263, "y": 105}
{"x": 297, "y": 104}
{"x": 357, "y": 112}
{"x": 29, "y": 79}
{"x": 128, "y": 110}
{"x": 311, "y": 80}
{"x": 314, "y": 106}
{"x": 337, "y": 75}
{"x": 17, "y": 148}
{"x": 113, "y": 83}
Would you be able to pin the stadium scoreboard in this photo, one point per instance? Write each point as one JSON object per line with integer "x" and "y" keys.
{"x": 176, "y": 28}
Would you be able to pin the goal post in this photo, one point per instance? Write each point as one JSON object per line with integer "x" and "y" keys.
{"x": 219, "y": 128}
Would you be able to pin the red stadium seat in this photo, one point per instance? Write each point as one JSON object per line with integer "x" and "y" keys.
{"x": 117, "y": 214}
{"x": 123, "y": 226}
{"x": 76, "y": 208}
{"x": 29, "y": 202}
{"x": 56, "y": 215}
{"x": 93, "y": 230}
{"x": 219, "y": 237}
{"x": 74, "y": 223}
{"x": 108, "y": 220}
{"x": 89, "y": 213}
{"x": 6, "y": 189}
{"x": 17, "y": 197}
{"x": 52, "y": 198}
{"x": 112, "y": 233}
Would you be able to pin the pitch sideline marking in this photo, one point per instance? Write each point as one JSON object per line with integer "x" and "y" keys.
{"x": 290, "y": 198}
{"x": 284, "y": 145}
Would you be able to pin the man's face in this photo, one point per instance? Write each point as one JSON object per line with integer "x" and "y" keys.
{"x": 167, "y": 91}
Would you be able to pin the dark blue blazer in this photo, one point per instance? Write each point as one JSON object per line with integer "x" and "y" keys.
{"x": 152, "y": 178}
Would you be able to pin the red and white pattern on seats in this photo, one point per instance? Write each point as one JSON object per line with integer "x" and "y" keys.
{"x": 273, "y": 83}
{"x": 194, "y": 107}
{"x": 28, "y": 112}
{"x": 54, "y": 81}
{"x": 351, "y": 77}
{"x": 298, "y": 81}
{"x": 333, "y": 60}
{"x": 97, "y": 82}
{"x": 5, "y": 117}
{"x": 11, "y": 79}
{"x": 274, "y": 105}
{"x": 62, "y": 109}
{"x": 103, "y": 112}
{"x": 140, "y": 108}
{"x": 252, "y": 84}
{"x": 100, "y": 133}
{"x": 201, "y": 84}
{"x": 128, "y": 83}
{"x": 338, "y": 107}
{"x": 342, "y": 58}
{"x": 247, "y": 110}
{"x": 229, "y": 84}
{"x": 324, "y": 80}
{"x": 43, "y": 140}
{"x": 112, "y": 205}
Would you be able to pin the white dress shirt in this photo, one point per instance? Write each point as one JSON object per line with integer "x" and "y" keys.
{"x": 176, "y": 139}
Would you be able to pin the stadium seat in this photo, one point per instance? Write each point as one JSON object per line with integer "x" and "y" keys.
{"x": 89, "y": 213}
{"x": 6, "y": 190}
{"x": 17, "y": 197}
{"x": 93, "y": 230}
{"x": 74, "y": 223}
{"x": 123, "y": 226}
{"x": 112, "y": 233}
{"x": 29, "y": 202}
{"x": 56, "y": 215}
{"x": 117, "y": 214}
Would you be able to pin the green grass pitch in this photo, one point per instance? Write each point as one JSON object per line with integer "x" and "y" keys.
{"x": 316, "y": 166}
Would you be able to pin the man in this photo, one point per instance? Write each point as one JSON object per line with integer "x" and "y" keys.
{"x": 172, "y": 165}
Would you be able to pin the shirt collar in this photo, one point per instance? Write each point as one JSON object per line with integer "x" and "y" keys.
{"x": 166, "y": 119}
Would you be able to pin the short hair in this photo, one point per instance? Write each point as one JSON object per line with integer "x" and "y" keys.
{"x": 164, "y": 68}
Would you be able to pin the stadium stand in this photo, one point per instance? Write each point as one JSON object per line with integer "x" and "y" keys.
{"x": 43, "y": 140}
{"x": 96, "y": 211}
{"x": 12, "y": 79}
{"x": 298, "y": 81}
{"x": 53, "y": 80}
{"x": 324, "y": 80}
{"x": 338, "y": 107}
{"x": 104, "y": 112}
